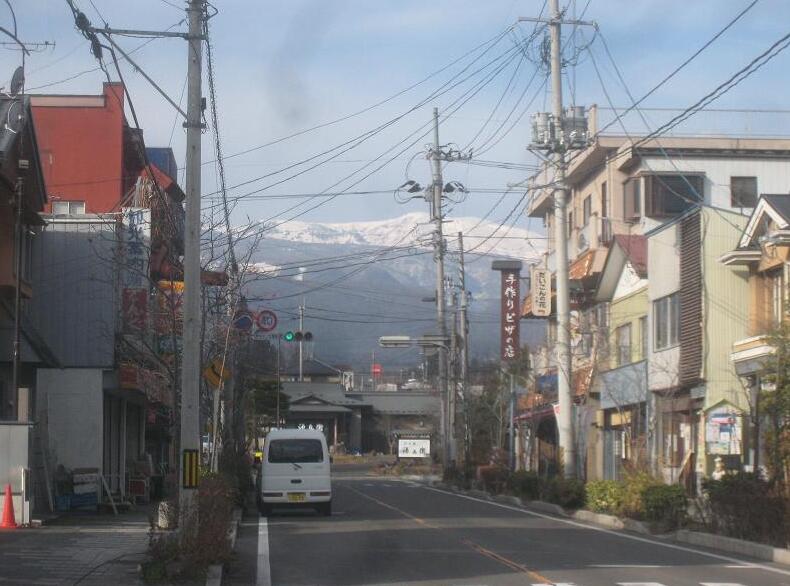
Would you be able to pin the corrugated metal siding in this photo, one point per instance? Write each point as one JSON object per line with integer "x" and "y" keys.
{"x": 75, "y": 304}
{"x": 690, "y": 297}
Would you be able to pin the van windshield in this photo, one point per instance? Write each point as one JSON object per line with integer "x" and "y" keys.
{"x": 293, "y": 451}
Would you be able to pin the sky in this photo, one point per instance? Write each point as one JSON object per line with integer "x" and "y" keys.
{"x": 283, "y": 67}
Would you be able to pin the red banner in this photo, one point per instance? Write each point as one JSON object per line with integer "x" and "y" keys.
{"x": 509, "y": 330}
{"x": 134, "y": 303}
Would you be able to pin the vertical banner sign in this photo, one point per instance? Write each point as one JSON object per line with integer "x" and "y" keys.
{"x": 510, "y": 314}
{"x": 541, "y": 292}
{"x": 189, "y": 468}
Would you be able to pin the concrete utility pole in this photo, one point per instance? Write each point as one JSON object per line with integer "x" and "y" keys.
{"x": 438, "y": 246}
{"x": 301, "y": 341}
{"x": 464, "y": 346}
{"x": 190, "y": 373}
{"x": 565, "y": 419}
{"x": 557, "y": 133}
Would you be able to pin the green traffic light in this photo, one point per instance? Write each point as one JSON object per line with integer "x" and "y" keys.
{"x": 289, "y": 336}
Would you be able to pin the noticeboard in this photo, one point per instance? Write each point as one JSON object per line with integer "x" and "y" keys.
{"x": 414, "y": 448}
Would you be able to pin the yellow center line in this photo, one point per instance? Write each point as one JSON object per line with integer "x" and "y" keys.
{"x": 507, "y": 562}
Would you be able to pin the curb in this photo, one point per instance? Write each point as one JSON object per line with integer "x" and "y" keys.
{"x": 545, "y": 507}
{"x": 732, "y": 545}
{"x": 507, "y": 499}
{"x": 612, "y": 522}
{"x": 429, "y": 478}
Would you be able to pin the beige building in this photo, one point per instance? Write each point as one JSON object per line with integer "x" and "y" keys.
{"x": 628, "y": 187}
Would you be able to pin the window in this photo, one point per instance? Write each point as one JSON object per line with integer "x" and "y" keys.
{"x": 743, "y": 192}
{"x": 666, "y": 321}
{"x": 623, "y": 341}
{"x": 570, "y": 224}
{"x": 61, "y": 208}
{"x": 668, "y": 195}
{"x": 604, "y": 203}
{"x": 295, "y": 451}
{"x": 632, "y": 198}
{"x": 587, "y": 210}
{"x": 643, "y": 336}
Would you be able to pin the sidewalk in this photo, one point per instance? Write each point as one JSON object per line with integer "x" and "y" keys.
{"x": 86, "y": 549}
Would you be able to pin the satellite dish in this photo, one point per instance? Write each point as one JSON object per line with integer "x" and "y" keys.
{"x": 17, "y": 81}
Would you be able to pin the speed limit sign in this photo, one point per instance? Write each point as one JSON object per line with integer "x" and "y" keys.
{"x": 266, "y": 320}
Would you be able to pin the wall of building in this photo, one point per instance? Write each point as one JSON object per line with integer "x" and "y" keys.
{"x": 70, "y": 403}
{"x": 773, "y": 174}
{"x": 725, "y": 316}
{"x": 627, "y": 310}
{"x": 81, "y": 147}
{"x": 75, "y": 307}
{"x": 14, "y": 457}
{"x": 663, "y": 268}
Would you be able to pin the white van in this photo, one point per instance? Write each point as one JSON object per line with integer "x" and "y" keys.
{"x": 295, "y": 471}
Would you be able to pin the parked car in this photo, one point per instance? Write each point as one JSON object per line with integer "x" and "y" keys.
{"x": 295, "y": 471}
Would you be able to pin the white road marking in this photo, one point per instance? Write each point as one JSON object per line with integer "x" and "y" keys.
{"x": 639, "y": 584}
{"x": 715, "y": 556}
{"x": 263, "y": 574}
{"x": 625, "y": 566}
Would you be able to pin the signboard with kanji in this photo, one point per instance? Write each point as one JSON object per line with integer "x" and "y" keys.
{"x": 509, "y": 328}
{"x": 541, "y": 292}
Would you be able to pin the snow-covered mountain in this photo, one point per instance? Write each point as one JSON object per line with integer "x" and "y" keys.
{"x": 410, "y": 229}
{"x": 358, "y": 283}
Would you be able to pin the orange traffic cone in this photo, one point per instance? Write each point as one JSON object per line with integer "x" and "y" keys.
{"x": 9, "y": 521}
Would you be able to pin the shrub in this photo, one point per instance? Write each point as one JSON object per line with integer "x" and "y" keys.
{"x": 208, "y": 543}
{"x": 746, "y": 507}
{"x": 566, "y": 492}
{"x": 634, "y": 487}
{"x": 605, "y": 496}
{"x": 665, "y": 504}
{"x": 525, "y": 484}
{"x": 492, "y": 478}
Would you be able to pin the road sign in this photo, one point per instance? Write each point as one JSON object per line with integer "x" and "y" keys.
{"x": 376, "y": 370}
{"x": 243, "y": 320}
{"x": 266, "y": 320}
{"x": 215, "y": 372}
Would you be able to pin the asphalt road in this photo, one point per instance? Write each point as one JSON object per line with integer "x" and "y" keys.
{"x": 385, "y": 531}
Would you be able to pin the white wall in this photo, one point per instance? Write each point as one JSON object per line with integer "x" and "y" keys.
{"x": 13, "y": 458}
{"x": 773, "y": 175}
{"x": 71, "y": 401}
{"x": 663, "y": 269}
{"x": 630, "y": 282}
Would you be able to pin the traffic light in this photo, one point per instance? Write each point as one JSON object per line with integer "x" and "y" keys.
{"x": 298, "y": 336}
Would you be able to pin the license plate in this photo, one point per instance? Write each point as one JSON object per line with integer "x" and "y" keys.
{"x": 296, "y": 497}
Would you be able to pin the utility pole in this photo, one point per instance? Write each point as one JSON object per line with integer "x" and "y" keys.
{"x": 565, "y": 420}
{"x": 464, "y": 347}
{"x": 438, "y": 247}
{"x": 301, "y": 342}
{"x": 19, "y": 240}
{"x": 452, "y": 396}
{"x": 558, "y": 133}
{"x": 190, "y": 374}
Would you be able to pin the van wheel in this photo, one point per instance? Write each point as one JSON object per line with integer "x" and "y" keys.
{"x": 325, "y": 509}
